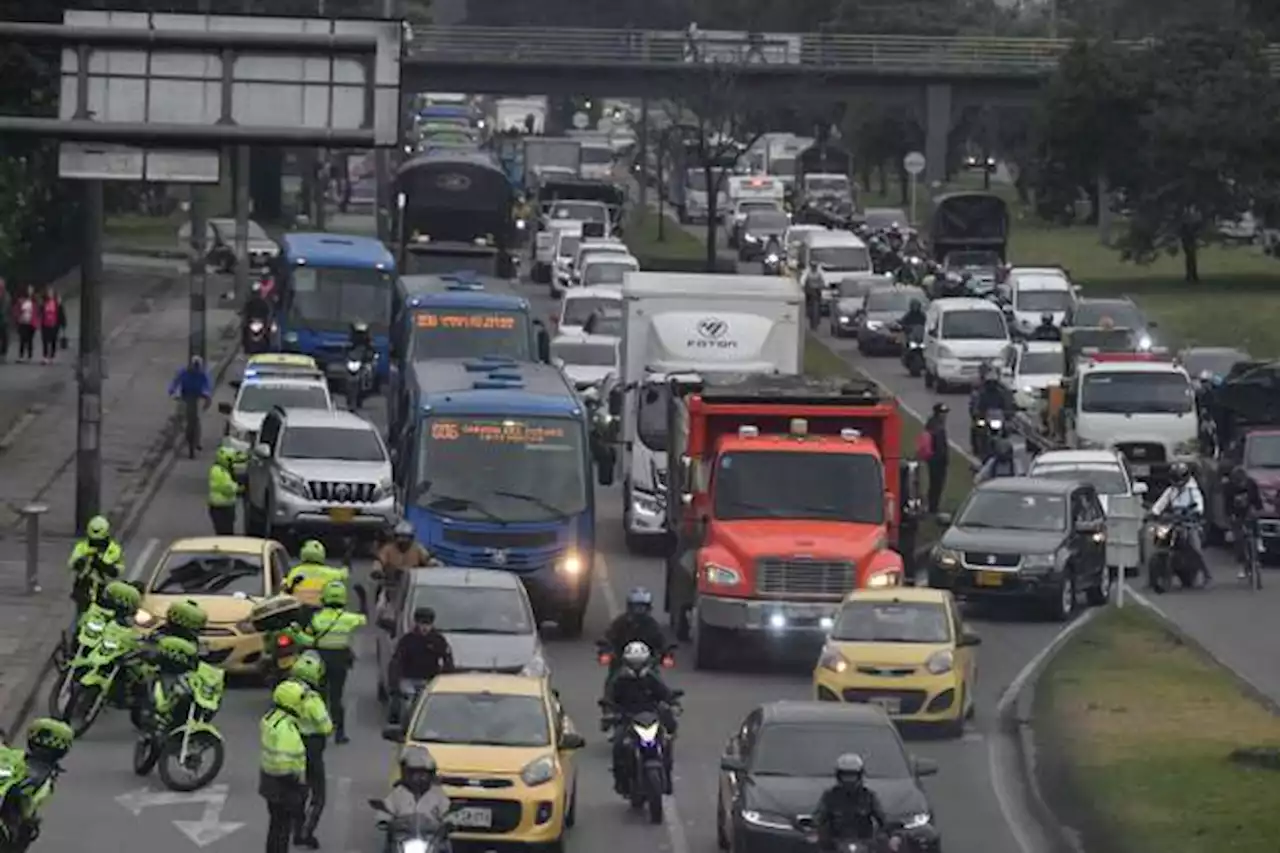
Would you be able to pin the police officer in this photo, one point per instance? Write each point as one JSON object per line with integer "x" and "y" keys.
{"x": 95, "y": 560}
{"x": 849, "y": 810}
{"x": 283, "y": 764}
{"x": 330, "y": 634}
{"x": 1046, "y": 331}
{"x": 312, "y": 574}
{"x": 315, "y": 725}
{"x": 939, "y": 455}
{"x": 224, "y": 492}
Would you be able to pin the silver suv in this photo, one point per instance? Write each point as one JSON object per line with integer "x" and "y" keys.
{"x": 318, "y": 472}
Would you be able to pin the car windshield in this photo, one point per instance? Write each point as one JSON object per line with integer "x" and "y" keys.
{"x": 1215, "y": 363}
{"x": 770, "y": 221}
{"x": 1121, "y": 315}
{"x": 971, "y": 260}
{"x": 880, "y": 220}
{"x": 577, "y": 310}
{"x": 809, "y": 750}
{"x": 260, "y": 397}
{"x": 842, "y": 258}
{"x": 827, "y": 185}
{"x": 470, "y": 333}
{"x": 1105, "y": 479}
{"x": 209, "y": 573}
{"x": 1040, "y": 364}
{"x": 482, "y": 719}
{"x": 973, "y": 326}
{"x": 586, "y": 353}
{"x": 568, "y": 246}
{"x": 607, "y": 272}
{"x": 332, "y": 443}
{"x": 581, "y": 211}
{"x": 896, "y": 300}
{"x": 512, "y": 469}
{"x": 893, "y": 622}
{"x": 784, "y": 484}
{"x": 331, "y": 298}
{"x": 1262, "y": 450}
{"x": 1044, "y": 300}
{"x": 1014, "y": 511}
{"x": 475, "y": 609}
{"x": 445, "y": 262}
{"x": 594, "y": 156}
{"x": 1136, "y": 393}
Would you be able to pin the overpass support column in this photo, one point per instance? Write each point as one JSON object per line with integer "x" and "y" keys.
{"x": 937, "y": 131}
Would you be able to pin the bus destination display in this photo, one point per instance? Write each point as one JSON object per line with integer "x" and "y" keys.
{"x": 492, "y": 322}
{"x": 498, "y": 432}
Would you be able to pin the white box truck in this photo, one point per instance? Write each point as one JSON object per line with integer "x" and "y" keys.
{"x": 691, "y": 324}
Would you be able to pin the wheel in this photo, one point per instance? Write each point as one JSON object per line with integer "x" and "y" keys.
{"x": 85, "y": 705}
{"x": 571, "y": 809}
{"x": 1100, "y": 593}
{"x": 653, "y": 785}
{"x": 60, "y": 694}
{"x": 197, "y": 744}
{"x": 1157, "y": 573}
{"x": 955, "y": 728}
{"x": 722, "y": 837}
{"x": 928, "y": 379}
{"x": 146, "y": 752}
{"x": 1064, "y": 605}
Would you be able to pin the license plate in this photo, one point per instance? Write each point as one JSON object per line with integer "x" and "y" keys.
{"x": 990, "y": 579}
{"x": 1141, "y": 470}
{"x": 476, "y": 818}
{"x": 342, "y": 514}
{"x": 889, "y": 704}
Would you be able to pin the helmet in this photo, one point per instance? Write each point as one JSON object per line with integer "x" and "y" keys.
{"x": 288, "y": 696}
{"x": 1180, "y": 472}
{"x": 916, "y": 305}
{"x": 50, "y": 734}
{"x": 312, "y": 551}
{"x": 187, "y": 615}
{"x": 403, "y": 530}
{"x": 359, "y": 327}
{"x": 121, "y": 597}
{"x": 424, "y": 616}
{"x": 309, "y": 668}
{"x": 941, "y": 408}
{"x": 1047, "y": 318}
{"x": 97, "y": 528}
{"x": 636, "y": 654}
{"x": 178, "y": 651}
{"x": 849, "y": 768}
{"x": 1003, "y": 449}
{"x": 639, "y": 600}
{"x": 417, "y": 766}
{"x": 334, "y": 594}
{"x": 226, "y": 457}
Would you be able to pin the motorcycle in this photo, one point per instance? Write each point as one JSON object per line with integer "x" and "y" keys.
{"x": 92, "y": 626}
{"x": 273, "y": 618}
{"x": 178, "y": 744}
{"x": 888, "y": 840}
{"x": 359, "y": 378}
{"x": 412, "y": 833}
{"x": 1170, "y": 555}
{"x": 650, "y": 767}
{"x": 403, "y": 699}
{"x": 772, "y": 264}
{"x": 258, "y": 337}
{"x": 19, "y": 820}
{"x": 913, "y": 351}
{"x": 115, "y": 672}
{"x": 987, "y": 427}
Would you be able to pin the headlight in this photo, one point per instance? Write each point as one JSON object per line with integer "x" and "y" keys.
{"x": 771, "y": 259}
{"x": 1162, "y": 531}
{"x": 6, "y": 773}
{"x": 536, "y": 667}
{"x": 239, "y": 433}
{"x": 718, "y": 575}
{"x": 647, "y": 734}
{"x": 940, "y": 663}
{"x": 385, "y": 489}
{"x": 539, "y": 771}
{"x": 255, "y": 326}
{"x": 881, "y": 580}
{"x": 1028, "y": 389}
{"x": 143, "y": 618}
{"x": 291, "y": 338}
{"x": 1186, "y": 448}
{"x": 291, "y": 482}
{"x": 996, "y": 424}
{"x": 875, "y": 324}
{"x": 833, "y": 660}
{"x": 95, "y": 627}
{"x": 246, "y": 627}
{"x": 946, "y": 558}
{"x": 414, "y": 845}
{"x": 521, "y": 225}
{"x": 110, "y": 645}
{"x": 1039, "y": 561}
{"x": 1145, "y": 342}
{"x": 765, "y": 819}
{"x": 751, "y": 238}
{"x": 571, "y": 564}
{"x": 353, "y": 366}
{"x": 917, "y": 821}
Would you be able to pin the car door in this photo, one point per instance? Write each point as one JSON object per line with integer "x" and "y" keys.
{"x": 966, "y": 656}
{"x": 933, "y": 323}
{"x": 279, "y": 568}
{"x": 741, "y": 746}
{"x": 259, "y": 472}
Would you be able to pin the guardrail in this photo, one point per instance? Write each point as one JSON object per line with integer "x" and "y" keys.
{"x": 834, "y": 51}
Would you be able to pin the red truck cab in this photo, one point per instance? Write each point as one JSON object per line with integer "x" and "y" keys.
{"x": 788, "y": 500}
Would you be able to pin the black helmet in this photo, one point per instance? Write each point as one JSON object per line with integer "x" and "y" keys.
{"x": 1180, "y": 472}
{"x": 916, "y": 305}
{"x": 1047, "y": 318}
{"x": 1239, "y": 475}
{"x": 850, "y": 769}
{"x": 1003, "y": 449}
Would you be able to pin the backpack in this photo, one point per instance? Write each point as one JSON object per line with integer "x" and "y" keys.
{"x": 924, "y": 445}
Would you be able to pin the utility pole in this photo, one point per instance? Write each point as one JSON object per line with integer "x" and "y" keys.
{"x": 382, "y": 167}
{"x": 199, "y": 279}
{"x": 89, "y": 431}
{"x": 642, "y": 153}
{"x": 240, "y": 201}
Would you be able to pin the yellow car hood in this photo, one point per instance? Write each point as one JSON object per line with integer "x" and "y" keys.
{"x": 460, "y": 759}
{"x": 221, "y": 609}
{"x": 889, "y": 654}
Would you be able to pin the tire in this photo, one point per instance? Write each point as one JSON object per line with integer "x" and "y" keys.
{"x": 1157, "y": 573}
{"x": 1100, "y": 593}
{"x": 169, "y": 758}
{"x": 571, "y": 806}
{"x": 1064, "y": 604}
{"x": 146, "y": 752}
{"x": 60, "y": 694}
{"x": 929, "y": 381}
{"x": 86, "y": 705}
{"x": 955, "y": 728}
{"x": 653, "y": 793}
{"x": 722, "y": 837}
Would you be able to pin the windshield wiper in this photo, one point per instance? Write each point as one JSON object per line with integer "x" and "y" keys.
{"x": 438, "y": 500}
{"x": 533, "y": 499}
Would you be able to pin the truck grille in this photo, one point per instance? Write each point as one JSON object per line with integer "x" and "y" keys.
{"x": 501, "y": 539}
{"x": 327, "y": 491}
{"x": 1142, "y": 453}
{"x": 792, "y": 576}
{"x": 983, "y": 558}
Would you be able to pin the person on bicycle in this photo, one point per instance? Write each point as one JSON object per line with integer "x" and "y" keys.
{"x": 191, "y": 385}
{"x": 1243, "y": 502}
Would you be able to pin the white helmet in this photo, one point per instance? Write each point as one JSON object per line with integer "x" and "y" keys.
{"x": 636, "y": 654}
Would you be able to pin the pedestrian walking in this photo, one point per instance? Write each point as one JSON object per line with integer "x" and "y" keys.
{"x": 26, "y": 314}
{"x": 6, "y": 318}
{"x": 935, "y": 452}
{"x": 53, "y": 321}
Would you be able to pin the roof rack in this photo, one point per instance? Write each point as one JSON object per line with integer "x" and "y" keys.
{"x": 800, "y": 390}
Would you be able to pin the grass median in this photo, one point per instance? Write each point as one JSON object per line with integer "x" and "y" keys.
{"x": 1136, "y": 731}
{"x": 675, "y": 242}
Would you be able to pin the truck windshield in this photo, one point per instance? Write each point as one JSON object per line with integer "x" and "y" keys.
{"x": 653, "y": 416}
{"x": 1040, "y": 364}
{"x": 827, "y": 185}
{"x": 846, "y": 487}
{"x": 577, "y": 311}
{"x": 1262, "y": 451}
{"x": 502, "y": 468}
{"x": 1137, "y": 393}
{"x": 783, "y": 166}
{"x": 470, "y": 332}
{"x": 443, "y": 262}
{"x": 581, "y": 211}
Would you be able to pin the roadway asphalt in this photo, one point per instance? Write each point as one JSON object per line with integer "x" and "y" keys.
{"x": 968, "y": 811}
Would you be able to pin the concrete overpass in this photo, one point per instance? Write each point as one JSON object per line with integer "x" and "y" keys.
{"x": 936, "y": 78}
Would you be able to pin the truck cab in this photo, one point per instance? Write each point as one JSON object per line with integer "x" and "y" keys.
{"x": 788, "y": 499}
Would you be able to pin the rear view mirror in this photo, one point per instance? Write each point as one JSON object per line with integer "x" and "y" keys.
{"x": 262, "y": 451}
{"x": 572, "y": 740}
{"x": 967, "y": 639}
{"x": 235, "y": 384}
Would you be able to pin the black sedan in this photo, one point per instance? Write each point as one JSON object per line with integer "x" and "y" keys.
{"x": 760, "y": 227}
{"x": 1026, "y": 538}
{"x": 782, "y": 758}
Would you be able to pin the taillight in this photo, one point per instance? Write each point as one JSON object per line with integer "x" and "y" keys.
{"x": 668, "y": 661}
{"x": 605, "y": 659}
{"x": 284, "y": 641}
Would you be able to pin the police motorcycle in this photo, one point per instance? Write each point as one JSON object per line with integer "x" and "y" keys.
{"x": 93, "y": 624}
{"x": 912, "y": 356}
{"x": 412, "y": 833}
{"x": 1171, "y": 553}
{"x": 889, "y": 839}
{"x": 273, "y": 618}
{"x": 25, "y": 785}
{"x": 178, "y": 744}
{"x": 774, "y": 259}
{"x": 115, "y": 672}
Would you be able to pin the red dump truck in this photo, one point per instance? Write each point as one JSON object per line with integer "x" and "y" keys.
{"x": 786, "y": 497}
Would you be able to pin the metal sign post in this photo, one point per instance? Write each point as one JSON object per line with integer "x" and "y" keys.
{"x": 914, "y": 164}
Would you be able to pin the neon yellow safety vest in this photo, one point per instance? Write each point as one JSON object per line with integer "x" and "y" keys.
{"x": 313, "y": 576}
{"x": 282, "y": 751}
{"x": 314, "y": 719}
{"x": 223, "y": 488}
{"x": 112, "y": 555}
{"x": 332, "y": 627}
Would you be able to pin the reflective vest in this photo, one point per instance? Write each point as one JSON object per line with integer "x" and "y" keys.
{"x": 314, "y": 719}
{"x": 313, "y": 576}
{"x": 332, "y": 627}
{"x": 112, "y": 555}
{"x": 282, "y": 751}
{"x": 223, "y": 488}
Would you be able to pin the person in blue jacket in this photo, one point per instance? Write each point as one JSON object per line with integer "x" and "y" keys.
{"x": 190, "y": 385}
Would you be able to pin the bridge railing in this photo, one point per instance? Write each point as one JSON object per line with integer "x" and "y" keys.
{"x": 835, "y": 51}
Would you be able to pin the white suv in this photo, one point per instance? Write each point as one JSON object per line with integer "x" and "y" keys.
{"x": 256, "y": 397}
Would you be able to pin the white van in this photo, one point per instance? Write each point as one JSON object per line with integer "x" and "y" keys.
{"x": 1036, "y": 291}
{"x": 959, "y": 335}
{"x": 840, "y": 256}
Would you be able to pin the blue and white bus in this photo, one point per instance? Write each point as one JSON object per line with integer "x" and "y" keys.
{"x": 328, "y": 281}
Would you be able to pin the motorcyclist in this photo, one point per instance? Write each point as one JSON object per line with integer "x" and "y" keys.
{"x": 359, "y": 341}
{"x": 1183, "y": 495}
{"x": 256, "y": 307}
{"x": 330, "y": 633}
{"x": 813, "y": 287}
{"x": 48, "y": 742}
{"x": 416, "y": 792}
{"x": 772, "y": 248}
{"x": 398, "y": 556}
{"x": 315, "y": 725}
{"x": 848, "y": 810}
{"x": 1002, "y": 462}
{"x": 95, "y": 561}
{"x": 177, "y": 658}
{"x": 1047, "y": 330}
{"x": 636, "y": 688}
{"x": 990, "y": 393}
{"x": 914, "y": 318}
{"x": 636, "y": 623}
{"x": 420, "y": 655}
{"x": 122, "y": 600}
{"x": 306, "y": 580}
{"x": 185, "y": 619}
{"x": 1243, "y": 502}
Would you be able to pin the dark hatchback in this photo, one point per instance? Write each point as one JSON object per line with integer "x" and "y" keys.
{"x": 776, "y": 767}
{"x": 1026, "y": 538}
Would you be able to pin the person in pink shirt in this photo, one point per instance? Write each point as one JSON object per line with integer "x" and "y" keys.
{"x": 26, "y": 315}
{"x": 53, "y": 319}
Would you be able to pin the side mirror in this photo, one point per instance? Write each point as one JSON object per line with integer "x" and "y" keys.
{"x": 235, "y": 384}
{"x": 377, "y": 805}
{"x": 1141, "y": 488}
{"x": 945, "y": 519}
{"x": 387, "y": 624}
{"x": 924, "y": 766}
{"x": 395, "y": 734}
{"x": 224, "y": 408}
{"x": 966, "y": 640}
{"x": 262, "y": 450}
{"x": 732, "y": 764}
{"x": 572, "y": 740}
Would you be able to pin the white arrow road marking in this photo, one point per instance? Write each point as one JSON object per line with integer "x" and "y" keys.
{"x": 203, "y": 832}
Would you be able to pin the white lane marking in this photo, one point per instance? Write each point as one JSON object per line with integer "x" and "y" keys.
{"x": 606, "y": 587}
{"x": 998, "y": 746}
{"x": 144, "y": 560}
{"x": 342, "y": 814}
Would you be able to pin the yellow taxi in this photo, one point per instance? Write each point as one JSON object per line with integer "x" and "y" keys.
{"x": 227, "y": 576}
{"x": 281, "y": 364}
{"x": 505, "y": 751}
{"x": 905, "y": 649}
